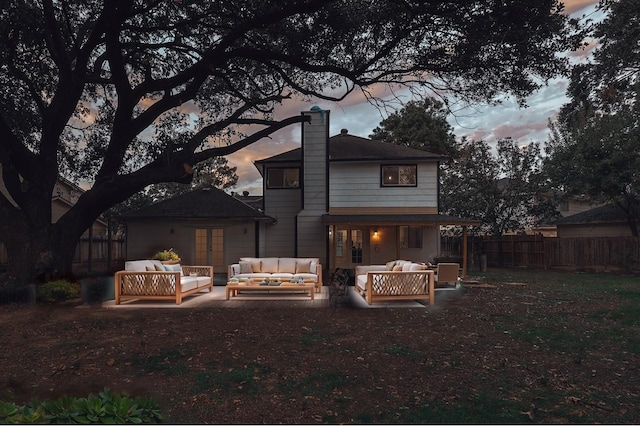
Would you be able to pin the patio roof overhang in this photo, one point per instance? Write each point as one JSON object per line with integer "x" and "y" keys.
{"x": 406, "y": 219}
{"x": 393, "y": 219}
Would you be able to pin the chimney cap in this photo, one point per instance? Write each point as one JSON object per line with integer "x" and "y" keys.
{"x": 344, "y": 131}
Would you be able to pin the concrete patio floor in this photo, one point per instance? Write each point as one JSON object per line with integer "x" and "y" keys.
{"x": 216, "y": 299}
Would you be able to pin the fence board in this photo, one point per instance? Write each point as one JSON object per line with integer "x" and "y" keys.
{"x": 536, "y": 251}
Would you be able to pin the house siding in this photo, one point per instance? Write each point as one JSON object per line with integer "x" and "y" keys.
{"x": 357, "y": 185}
{"x": 312, "y": 234}
{"x": 283, "y": 205}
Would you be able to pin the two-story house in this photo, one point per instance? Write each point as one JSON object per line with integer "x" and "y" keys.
{"x": 349, "y": 200}
{"x": 345, "y": 199}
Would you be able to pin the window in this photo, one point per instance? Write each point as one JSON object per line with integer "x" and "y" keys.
{"x": 399, "y": 175}
{"x": 410, "y": 237}
{"x": 283, "y": 178}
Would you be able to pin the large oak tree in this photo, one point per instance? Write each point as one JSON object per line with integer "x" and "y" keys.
{"x": 128, "y": 93}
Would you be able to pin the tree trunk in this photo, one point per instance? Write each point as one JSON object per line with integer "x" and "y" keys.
{"x": 34, "y": 257}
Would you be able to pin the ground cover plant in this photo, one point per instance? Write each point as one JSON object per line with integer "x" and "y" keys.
{"x": 538, "y": 347}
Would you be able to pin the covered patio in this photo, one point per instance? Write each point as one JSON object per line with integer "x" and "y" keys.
{"x": 377, "y": 238}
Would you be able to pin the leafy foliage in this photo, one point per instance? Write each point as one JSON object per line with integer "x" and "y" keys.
{"x": 57, "y": 291}
{"x": 594, "y": 148}
{"x": 127, "y": 94}
{"x": 422, "y": 125}
{"x": 106, "y": 407}
{"x": 500, "y": 191}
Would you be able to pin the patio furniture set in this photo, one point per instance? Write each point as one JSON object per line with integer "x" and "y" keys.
{"x": 396, "y": 280}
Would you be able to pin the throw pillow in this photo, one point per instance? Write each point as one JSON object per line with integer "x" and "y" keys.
{"x": 159, "y": 268}
{"x": 245, "y": 267}
{"x": 397, "y": 268}
{"x": 303, "y": 267}
{"x": 390, "y": 265}
{"x": 173, "y": 268}
{"x": 256, "y": 266}
{"x": 150, "y": 269}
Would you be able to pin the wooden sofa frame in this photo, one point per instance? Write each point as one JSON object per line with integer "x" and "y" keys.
{"x": 158, "y": 285}
{"x": 398, "y": 285}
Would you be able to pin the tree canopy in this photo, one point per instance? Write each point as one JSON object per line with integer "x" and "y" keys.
{"x": 129, "y": 93}
{"x": 594, "y": 148}
{"x": 498, "y": 190}
{"x": 422, "y": 125}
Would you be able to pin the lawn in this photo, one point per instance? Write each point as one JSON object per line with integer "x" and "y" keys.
{"x": 539, "y": 347}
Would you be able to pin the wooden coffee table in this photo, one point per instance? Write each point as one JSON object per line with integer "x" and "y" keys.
{"x": 233, "y": 288}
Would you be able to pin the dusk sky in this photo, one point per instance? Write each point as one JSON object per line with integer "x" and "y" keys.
{"x": 360, "y": 118}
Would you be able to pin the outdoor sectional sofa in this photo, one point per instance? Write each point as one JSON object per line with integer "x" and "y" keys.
{"x": 308, "y": 268}
{"x": 153, "y": 280}
{"x": 396, "y": 280}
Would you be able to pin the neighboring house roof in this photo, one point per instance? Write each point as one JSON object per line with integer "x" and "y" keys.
{"x": 610, "y": 213}
{"x": 393, "y": 219}
{"x": 207, "y": 203}
{"x": 346, "y": 147}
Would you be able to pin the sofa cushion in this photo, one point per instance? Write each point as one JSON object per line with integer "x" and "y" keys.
{"x": 188, "y": 283}
{"x": 245, "y": 267}
{"x": 173, "y": 268}
{"x": 389, "y": 266}
{"x": 150, "y": 268}
{"x": 253, "y": 275}
{"x": 397, "y": 268}
{"x": 269, "y": 264}
{"x": 303, "y": 267}
{"x": 283, "y": 275}
{"x": 313, "y": 277}
{"x": 137, "y": 265}
{"x": 287, "y": 265}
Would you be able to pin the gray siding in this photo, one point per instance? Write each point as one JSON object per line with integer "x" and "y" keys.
{"x": 283, "y": 205}
{"x": 358, "y": 185}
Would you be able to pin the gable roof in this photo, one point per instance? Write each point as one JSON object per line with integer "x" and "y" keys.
{"x": 609, "y": 213}
{"x": 346, "y": 147}
{"x": 205, "y": 203}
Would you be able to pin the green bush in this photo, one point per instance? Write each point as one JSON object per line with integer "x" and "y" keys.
{"x": 105, "y": 408}
{"x": 57, "y": 291}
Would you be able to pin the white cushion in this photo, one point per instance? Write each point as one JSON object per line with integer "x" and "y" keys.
{"x": 188, "y": 283}
{"x": 137, "y": 265}
{"x": 287, "y": 264}
{"x": 309, "y": 276}
{"x": 269, "y": 264}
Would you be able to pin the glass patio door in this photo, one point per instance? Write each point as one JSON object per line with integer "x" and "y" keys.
{"x": 209, "y": 248}
{"x": 348, "y": 247}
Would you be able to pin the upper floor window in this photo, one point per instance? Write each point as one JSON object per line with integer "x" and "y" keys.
{"x": 399, "y": 175}
{"x": 283, "y": 177}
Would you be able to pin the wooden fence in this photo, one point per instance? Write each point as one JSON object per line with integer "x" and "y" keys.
{"x": 585, "y": 253}
{"x": 93, "y": 256}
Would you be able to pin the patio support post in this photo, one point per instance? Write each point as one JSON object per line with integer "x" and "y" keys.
{"x": 464, "y": 252}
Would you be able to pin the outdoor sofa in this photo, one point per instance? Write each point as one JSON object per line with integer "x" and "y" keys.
{"x": 396, "y": 280}
{"x": 284, "y": 268}
{"x": 153, "y": 280}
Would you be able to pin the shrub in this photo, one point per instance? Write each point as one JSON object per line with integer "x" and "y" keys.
{"x": 105, "y": 408}
{"x": 57, "y": 291}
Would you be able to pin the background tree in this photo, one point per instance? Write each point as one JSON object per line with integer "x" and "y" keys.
{"x": 594, "y": 147}
{"x": 419, "y": 124}
{"x": 130, "y": 93}
{"x": 499, "y": 191}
